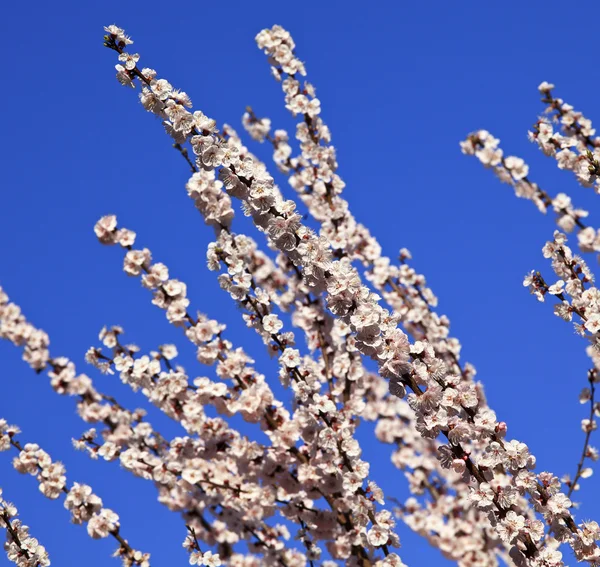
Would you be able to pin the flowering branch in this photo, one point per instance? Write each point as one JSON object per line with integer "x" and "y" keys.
{"x": 85, "y": 507}
{"x": 20, "y": 547}
{"x": 582, "y": 160}
{"x": 514, "y": 171}
{"x": 588, "y": 425}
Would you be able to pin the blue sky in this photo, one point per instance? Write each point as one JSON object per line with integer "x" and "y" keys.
{"x": 400, "y": 85}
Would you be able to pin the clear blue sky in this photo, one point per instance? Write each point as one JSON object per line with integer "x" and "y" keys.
{"x": 400, "y": 84}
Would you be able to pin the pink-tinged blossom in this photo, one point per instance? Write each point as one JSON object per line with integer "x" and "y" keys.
{"x": 102, "y": 524}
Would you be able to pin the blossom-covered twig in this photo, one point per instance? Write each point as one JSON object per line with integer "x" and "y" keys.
{"x": 588, "y": 425}
{"x": 21, "y": 548}
{"x": 84, "y": 505}
{"x": 577, "y": 296}
{"x": 514, "y": 171}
